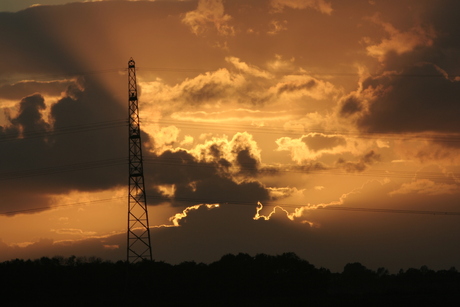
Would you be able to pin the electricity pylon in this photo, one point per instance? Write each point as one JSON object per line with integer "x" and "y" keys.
{"x": 139, "y": 248}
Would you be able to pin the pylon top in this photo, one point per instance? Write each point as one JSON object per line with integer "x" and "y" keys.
{"x": 131, "y": 62}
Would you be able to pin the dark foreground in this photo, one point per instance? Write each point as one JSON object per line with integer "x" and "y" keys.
{"x": 234, "y": 280}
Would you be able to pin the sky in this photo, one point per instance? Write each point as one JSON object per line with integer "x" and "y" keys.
{"x": 325, "y": 128}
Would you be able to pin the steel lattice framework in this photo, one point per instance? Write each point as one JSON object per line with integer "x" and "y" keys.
{"x": 139, "y": 248}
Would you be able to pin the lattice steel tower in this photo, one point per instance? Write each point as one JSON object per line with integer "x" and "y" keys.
{"x": 138, "y": 222}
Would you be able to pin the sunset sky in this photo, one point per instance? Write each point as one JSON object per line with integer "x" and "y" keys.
{"x": 328, "y": 128}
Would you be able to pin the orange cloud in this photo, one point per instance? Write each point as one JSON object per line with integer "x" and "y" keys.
{"x": 209, "y": 12}
{"x": 427, "y": 187}
{"x": 74, "y": 232}
{"x": 241, "y": 152}
{"x": 277, "y": 26}
{"x": 399, "y": 41}
{"x": 320, "y": 5}
{"x": 298, "y": 86}
{"x": 249, "y": 69}
{"x": 312, "y": 146}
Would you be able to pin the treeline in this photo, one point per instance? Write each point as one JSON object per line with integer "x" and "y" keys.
{"x": 234, "y": 280}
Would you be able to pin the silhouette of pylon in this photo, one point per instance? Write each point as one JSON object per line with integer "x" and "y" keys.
{"x": 139, "y": 248}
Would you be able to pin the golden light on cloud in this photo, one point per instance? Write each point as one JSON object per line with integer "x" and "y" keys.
{"x": 179, "y": 216}
{"x": 209, "y": 12}
{"x": 320, "y": 5}
{"x": 259, "y": 208}
{"x": 398, "y": 41}
{"x": 298, "y": 213}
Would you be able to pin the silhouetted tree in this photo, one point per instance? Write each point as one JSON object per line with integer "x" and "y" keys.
{"x": 233, "y": 280}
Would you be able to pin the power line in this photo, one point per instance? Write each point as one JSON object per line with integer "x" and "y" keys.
{"x": 175, "y": 69}
{"x": 62, "y": 168}
{"x": 64, "y": 130}
{"x": 204, "y": 200}
{"x": 438, "y": 137}
{"x": 310, "y": 73}
{"x": 60, "y": 75}
{"x": 202, "y": 70}
{"x": 332, "y": 208}
{"x": 59, "y": 206}
{"x": 194, "y": 163}
{"x": 285, "y": 169}
{"x": 400, "y": 211}
{"x": 70, "y": 74}
{"x": 224, "y": 202}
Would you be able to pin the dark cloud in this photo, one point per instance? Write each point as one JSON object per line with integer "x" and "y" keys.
{"x": 317, "y": 142}
{"x": 420, "y": 99}
{"x": 371, "y": 157}
{"x": 350, "y": 105}
{"x": 199, "y": 182}
{"x": 248, "y": 164}
{"x": 416, "y": 91}
{"x": 310, "y": 166}
{"x": 179, "y": 167}
{"x": 445, "y": 51}
{"x": 222, "y": 190}
{"x": 29, "y": 119}
{"x": 269, "y": 170}
{"x": 293, "y": 87}
{"x": 70, "y": 154}
{"x": 361, "y": 165}
{"x": 204, "y": 92}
